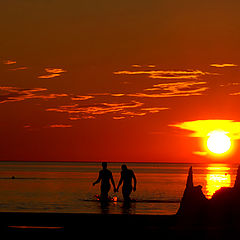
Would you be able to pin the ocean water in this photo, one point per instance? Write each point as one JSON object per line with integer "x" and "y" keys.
{"x": 67, "y": 187}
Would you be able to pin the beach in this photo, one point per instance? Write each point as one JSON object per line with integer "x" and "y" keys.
{"x": 91, "y": 225}
{"x": 110, "y": 226}
{"x": 58, "y": 198}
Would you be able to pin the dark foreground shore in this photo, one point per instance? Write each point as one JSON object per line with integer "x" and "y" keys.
{"x": 109, "y": 226}
{"x": 91, "y": 225}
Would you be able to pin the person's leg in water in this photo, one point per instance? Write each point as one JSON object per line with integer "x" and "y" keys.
{"x": 104, "y": 192}
{"x": 126, "y": 191}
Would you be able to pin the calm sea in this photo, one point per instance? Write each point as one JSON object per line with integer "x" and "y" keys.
{"x": 67, "y": 187}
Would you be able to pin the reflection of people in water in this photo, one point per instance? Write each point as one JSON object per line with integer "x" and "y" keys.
{"x": 126, "y": 178}
{"x": 105, "y": 176}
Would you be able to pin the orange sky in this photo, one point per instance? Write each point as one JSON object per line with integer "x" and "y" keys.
{"x": 105, "y": 80}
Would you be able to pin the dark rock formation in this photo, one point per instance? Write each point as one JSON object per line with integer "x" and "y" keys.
{"x": 223, "y": 208}
{"x": 225, "y": 202}
{"x": 193, "y": 202}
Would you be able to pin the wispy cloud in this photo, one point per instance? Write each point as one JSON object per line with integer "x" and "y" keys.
{"x": 130, "y": 113}
{"x": 80, "y": 118}
{"x": 109, "y": 94}
{"x": 118, "y": 118}
{"x": 117, "y": 94}
{"x": 79, "y": 111}
{"x": 176, "y": 89}
{"x": 117, "y": 110}
{"x": 200, "y": 153}
{"x": 60, "y": 126}
{"x": 13, "y": 94}
{"x": 167, "y": 74}
{"x": 151, "y": 66}
{"x": 52, "y": 72}
{"x": 81, "y": 97}
{"x": 49, "y": 76}
{"x": 55, "y": 70}
{"x": 9, "y": 62}
{"x": 154, "y": 109}
{"x": 18, "y": 68}
{"x": 223, "y": 65}
{"x": 234, "y": 94}
{"x": 141, "y": 66}
{"x": 136, "y": 65}
{"x": 201, "y": 128}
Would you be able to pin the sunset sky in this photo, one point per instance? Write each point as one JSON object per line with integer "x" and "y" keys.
{"x": 118, "y": 80}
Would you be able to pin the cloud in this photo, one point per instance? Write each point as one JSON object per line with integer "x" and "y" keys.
{"x": 118, "y": 118}
{"x": 117, "y": 94}
{"x": 9, "y": 62}
{"x": 81, "y": 97}
{"x": 118, "y": 110}
{"x": 223, "y": 65}
{"x": 200, "y": 153}
{"x": 96, "y": 109}
{"x": 49, "y": 76}
{"x": 139, "y": 66}
{"x": 177, "y": 89}
{"x": 52, "y": 72}
{"x": 60, "y": 126}
{"x": 115, "y": 107}
{"x": 109, "y": 94}
{"x": 77, "y": 111}
{"x": 151, "y": 66}
{"x": 82, "y": 117}
{"x": 136, "y": 65}
{"x": 55, "y": 70}
{"x": 134, "y": 113}
{"x": 234, "y": 94}
{"x": 154, "y": 109}
{"x": 167, "y": 74}
{"x": 201, "y": 128}
{"x": 233, "y": 84}
{"x": 18, "y": 68}
{"x": 13, "y": 94}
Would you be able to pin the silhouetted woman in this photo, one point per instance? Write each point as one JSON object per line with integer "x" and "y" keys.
{"x": 105, "y": 176}
{"x": 126, "y": 178}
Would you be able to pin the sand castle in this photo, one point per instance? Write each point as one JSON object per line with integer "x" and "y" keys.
{"x": 223, "y": 207}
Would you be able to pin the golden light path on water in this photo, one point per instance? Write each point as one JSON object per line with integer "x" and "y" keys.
{"x": 217, "y": 177}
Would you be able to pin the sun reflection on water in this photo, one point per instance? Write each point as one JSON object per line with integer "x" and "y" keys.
{"x": 217, "y": 177}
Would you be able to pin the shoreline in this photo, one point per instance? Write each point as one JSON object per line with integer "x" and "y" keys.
{"x": 84, "y": 223}
{"x": 110, "y": 226}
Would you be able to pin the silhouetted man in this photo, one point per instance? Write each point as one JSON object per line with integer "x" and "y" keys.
{"x": 126, "y": 178}
{"x": 105, "y": 176}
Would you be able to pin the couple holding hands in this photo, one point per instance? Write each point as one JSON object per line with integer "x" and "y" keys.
{"x": 105, "y": 176}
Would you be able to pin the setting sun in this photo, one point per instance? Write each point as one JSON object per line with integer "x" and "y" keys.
{"x": 218, "y": 142}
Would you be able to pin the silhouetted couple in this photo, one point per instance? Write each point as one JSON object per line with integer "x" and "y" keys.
{"x": 105, "y": 176}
